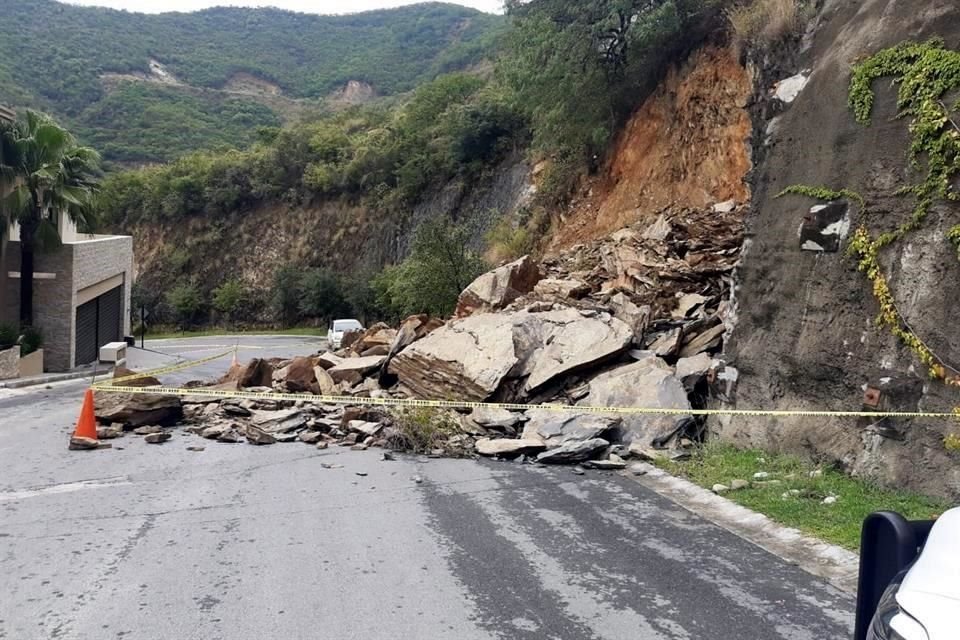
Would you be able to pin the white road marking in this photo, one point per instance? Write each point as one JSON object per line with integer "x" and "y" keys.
{"x": 69, "y": 487}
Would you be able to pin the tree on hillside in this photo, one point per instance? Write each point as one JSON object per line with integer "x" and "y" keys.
{"x": 430, "y": 280}
{"x": 45, "y": 172}
{"x": 578, "y": 67}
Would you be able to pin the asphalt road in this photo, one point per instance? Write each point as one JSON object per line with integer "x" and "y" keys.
{"x": 241, "y": 542}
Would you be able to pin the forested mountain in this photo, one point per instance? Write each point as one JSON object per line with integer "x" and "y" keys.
{"x": 151, "y": 87}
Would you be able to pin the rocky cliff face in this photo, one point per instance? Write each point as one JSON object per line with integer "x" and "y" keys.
{"x": 251, "y": 245}
{"x": 806, "y": 337}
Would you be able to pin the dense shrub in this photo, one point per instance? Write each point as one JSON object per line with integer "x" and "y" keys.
{"x": 430, "y": 280}
{"x": 186, "y": 302}
{"x": 229, "y": 299}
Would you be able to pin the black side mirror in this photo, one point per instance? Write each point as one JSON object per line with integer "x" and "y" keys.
{"x": 889, "y": 543}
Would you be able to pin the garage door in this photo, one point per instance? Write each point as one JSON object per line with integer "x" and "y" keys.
{"x": 98, "y": 323}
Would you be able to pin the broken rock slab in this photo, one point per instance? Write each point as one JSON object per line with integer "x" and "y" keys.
{"x": 498, "y": 288}
{"x": 158, "y": 438}
{"x": 574, "y": 451}
{"x": 353, "y": 370}
{"x": 256, "y": 373}
{"x": 690, "y": 371}
{"x": 465, "y": 359}
{"x": 495, "y": 418}
{"x": 136, "y": 410}
{"x": 634, "y": 316}
{"x": 509, "y": 447}
{"x": 470, "y": 358}
{"x": 708, "y": 339}
{"x": 556, "y": 343}
{"x": 556, "y": 288}
{"x": 258, "y": 436}
{"x": 648, "y": 383}
{"x": 555, "y": 428}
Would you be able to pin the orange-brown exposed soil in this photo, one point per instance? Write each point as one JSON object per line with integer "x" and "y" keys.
{"x": 687, "y": 145}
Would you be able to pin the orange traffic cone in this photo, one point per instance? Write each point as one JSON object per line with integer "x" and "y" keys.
{"x": 85, "y": 435}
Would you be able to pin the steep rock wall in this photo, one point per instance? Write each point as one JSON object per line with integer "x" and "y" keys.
{"x": 806, "y": 337}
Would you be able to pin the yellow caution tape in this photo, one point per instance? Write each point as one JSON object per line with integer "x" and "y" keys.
{"x": 461, "y": 404}
{"x": 115, "y": 386}
{"x": 162, "y": 370}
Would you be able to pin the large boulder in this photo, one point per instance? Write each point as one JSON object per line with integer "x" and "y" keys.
{"x": 464, "y": 360}
{"x": 648, "y": 383}
{"x": 137, "y": 410}
{"x": 498, "y": 288}
{"x": 256, "y": 373}
{"x": 469, "y": 359}
{"x": 299, "y": 377}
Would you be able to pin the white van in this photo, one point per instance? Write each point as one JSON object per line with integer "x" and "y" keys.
{"x": 340, "y": 327}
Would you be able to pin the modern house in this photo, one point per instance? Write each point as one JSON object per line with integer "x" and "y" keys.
{"x": 81, "y": 290}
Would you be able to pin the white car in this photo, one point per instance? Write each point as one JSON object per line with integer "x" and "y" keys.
{"x": 338, "y": 328}
{"x": 924, "y": 602}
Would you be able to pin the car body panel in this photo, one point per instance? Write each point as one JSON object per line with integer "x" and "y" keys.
{"x": 930, "y": 592}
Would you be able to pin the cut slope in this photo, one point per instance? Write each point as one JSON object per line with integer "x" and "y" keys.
{"x": 687, "y": 145}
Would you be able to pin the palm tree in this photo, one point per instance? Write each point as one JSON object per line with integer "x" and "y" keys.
{"x": 45, "y": 172}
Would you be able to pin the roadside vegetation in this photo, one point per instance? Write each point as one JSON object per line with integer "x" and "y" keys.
{"x": 165, "y": 333}
{"x": 794, "y": 491}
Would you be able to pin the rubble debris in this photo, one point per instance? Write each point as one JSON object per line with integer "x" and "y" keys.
{"x": 147, "y": 430}
{"x": 158, "y": 438}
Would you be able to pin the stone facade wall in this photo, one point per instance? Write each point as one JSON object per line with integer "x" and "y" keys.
{"x": 10, "y": 363}
{"x": 77, "y": 266}
{"x": 97, "y": 260}
{"x": 53, "y": 311}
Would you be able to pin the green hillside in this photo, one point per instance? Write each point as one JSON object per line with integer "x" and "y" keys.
{"x": 54, "y": 57}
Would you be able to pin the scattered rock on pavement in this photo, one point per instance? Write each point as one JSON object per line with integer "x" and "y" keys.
{"x": 111, "y": 432}
{"x": 79, "y": 443}
{"x": 157, "y": 438}
{"x": 135, "y": 410}
{"x": 258, "y": 436}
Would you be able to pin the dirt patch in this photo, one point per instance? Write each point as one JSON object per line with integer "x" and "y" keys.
{"x": 688, "y": 146}
{"x": 250, "y": 84}
{"x": 353, "y": 93}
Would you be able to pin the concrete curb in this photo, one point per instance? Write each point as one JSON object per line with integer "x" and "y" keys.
{"x": 47, "y": 379}
{"x": 834, "y": 564}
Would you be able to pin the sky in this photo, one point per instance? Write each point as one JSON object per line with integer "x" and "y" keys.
{"x": 308, "y": 6}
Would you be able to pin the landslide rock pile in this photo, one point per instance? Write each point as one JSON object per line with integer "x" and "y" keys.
{"x": 634, "y": 320}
